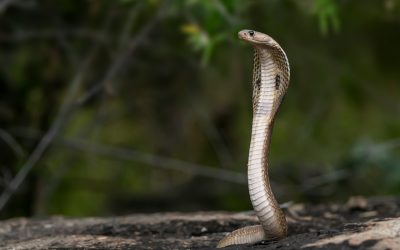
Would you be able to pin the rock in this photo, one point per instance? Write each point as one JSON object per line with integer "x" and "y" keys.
{"x": 334, "y": 226}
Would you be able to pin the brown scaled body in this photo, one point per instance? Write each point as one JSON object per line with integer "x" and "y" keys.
{"x": 271, "y": 77}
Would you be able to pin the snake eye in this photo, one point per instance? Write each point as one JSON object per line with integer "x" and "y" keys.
{"x": 251, "y": 33}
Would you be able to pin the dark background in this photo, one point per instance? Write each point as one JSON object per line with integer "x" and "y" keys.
{"x": 115, "y": 107}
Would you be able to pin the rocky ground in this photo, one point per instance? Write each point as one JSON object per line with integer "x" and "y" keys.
{"x": 358, "y": 224}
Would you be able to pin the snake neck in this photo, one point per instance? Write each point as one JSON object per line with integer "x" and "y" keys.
{"x": 265, "y": 104}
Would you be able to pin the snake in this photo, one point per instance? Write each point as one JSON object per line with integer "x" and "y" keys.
{"x": 271, "y": 75}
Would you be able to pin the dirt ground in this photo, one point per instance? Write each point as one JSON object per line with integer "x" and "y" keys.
{"x": 358, "y": 224}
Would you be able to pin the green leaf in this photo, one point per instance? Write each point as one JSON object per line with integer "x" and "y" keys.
{"x": 327, "y": 12}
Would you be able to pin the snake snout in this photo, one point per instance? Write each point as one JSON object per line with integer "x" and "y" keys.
{"x": 245, "y": 34}
{"x": 242, "y": 34}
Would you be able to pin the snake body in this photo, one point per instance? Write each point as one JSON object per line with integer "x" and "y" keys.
{"x": 271, "y": 76}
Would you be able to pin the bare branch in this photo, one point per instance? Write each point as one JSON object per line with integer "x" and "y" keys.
{"x": 64, "y": 166}
{"x": 214, "y": 136}
{"x": 127, "y": 154}
{"x": 124, "y": 54}
{"x": 385, "y": 145}
{"x": 62, "y": 117}
{"x": 70, "y": 103}
{"x": 324, "y": 179}
{"x": 24, "y": 35}
{"x": 157, "y": 161}
{"x": 126, "y": 30}
{"x": 47, "y": 138}
{"x": 5, "y": 177}
{"x": 4, "y": 4}
{"x": 14, "y": 145}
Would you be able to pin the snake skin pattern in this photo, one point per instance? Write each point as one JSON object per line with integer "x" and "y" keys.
{"x": 271, "y": 77}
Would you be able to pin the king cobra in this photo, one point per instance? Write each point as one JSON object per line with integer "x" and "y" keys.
{"x": 270, "y": 82}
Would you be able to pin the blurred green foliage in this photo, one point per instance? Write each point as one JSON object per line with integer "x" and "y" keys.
{"x": 170, "y": 79}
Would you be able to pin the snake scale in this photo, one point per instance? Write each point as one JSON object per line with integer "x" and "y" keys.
{"x": 271, "y": 76}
